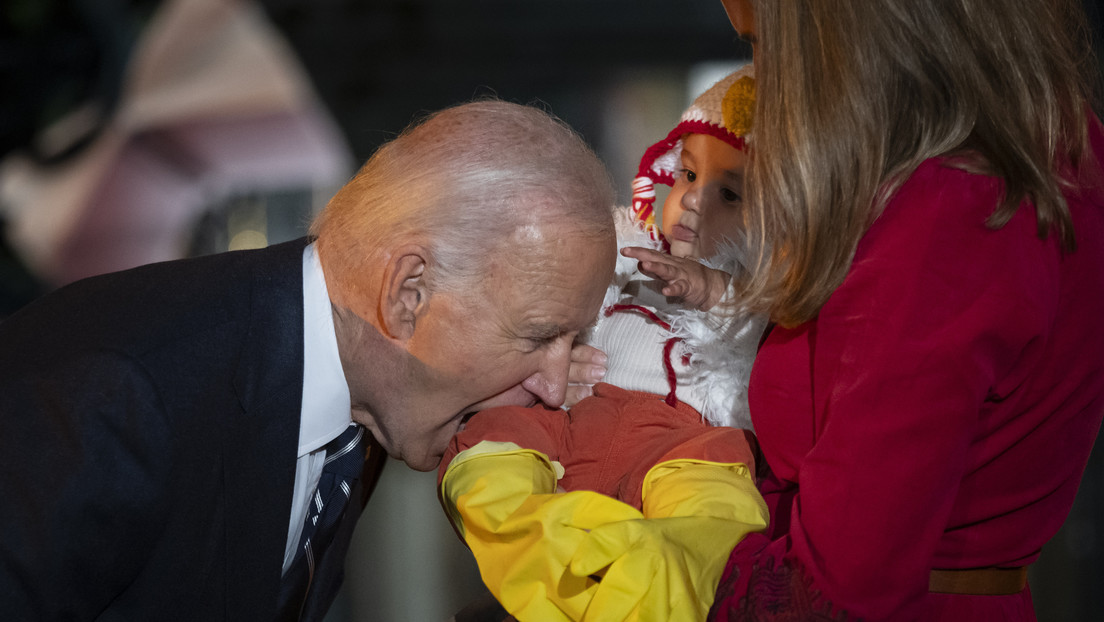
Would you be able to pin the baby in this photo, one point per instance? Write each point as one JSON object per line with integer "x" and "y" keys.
{"x": 667, "y": 434}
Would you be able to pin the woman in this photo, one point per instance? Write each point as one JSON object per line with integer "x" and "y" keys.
{"x": 927, "y": 199}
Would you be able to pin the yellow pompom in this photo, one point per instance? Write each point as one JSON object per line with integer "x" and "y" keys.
{"x": 738, "y": 106}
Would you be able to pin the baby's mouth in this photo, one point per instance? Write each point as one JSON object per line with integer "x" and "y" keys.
{"x": 682, "y": 233}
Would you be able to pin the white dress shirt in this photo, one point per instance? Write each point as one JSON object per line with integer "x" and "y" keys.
{"x": 326, "y": 408}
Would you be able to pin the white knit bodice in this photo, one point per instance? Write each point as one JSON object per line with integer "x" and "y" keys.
{"x": 712, "y": 359}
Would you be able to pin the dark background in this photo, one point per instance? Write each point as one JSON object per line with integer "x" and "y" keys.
{"x": 377, "y": 65}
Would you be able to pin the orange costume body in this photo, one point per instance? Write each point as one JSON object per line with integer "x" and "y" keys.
{"x": 609, "y": 441}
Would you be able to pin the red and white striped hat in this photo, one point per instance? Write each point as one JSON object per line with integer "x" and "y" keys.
{"x": 725, "y": 111}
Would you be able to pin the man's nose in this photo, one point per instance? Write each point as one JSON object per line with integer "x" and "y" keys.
{"x": 549, "y": 383}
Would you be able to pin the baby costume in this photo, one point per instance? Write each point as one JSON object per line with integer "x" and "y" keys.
{"x": 668, "y": 432}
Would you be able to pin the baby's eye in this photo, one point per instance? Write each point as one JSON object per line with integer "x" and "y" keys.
{"x": 688, "y": 174}
{"x": 731, "y": 195}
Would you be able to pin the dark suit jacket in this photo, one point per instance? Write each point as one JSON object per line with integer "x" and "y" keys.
{"x": 149, "y": 425}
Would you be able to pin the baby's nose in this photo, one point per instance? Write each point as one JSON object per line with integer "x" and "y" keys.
{"x": 691, "y": 199}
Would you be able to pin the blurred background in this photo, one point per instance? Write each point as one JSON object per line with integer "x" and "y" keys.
{"x": 134, "y": 131}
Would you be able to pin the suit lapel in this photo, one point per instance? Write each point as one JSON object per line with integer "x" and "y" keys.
{"x": 260, "y": 465}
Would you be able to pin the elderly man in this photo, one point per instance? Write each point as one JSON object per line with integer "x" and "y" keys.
{"x": 170, "y": 435}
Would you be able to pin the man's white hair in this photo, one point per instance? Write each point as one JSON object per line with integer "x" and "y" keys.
{"x": 463, "y": 182}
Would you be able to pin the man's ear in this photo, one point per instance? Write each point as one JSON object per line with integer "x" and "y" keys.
{"x": 405, "y": 292}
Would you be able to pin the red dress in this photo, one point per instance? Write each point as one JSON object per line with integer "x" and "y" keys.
{"x": 938, "y": 413}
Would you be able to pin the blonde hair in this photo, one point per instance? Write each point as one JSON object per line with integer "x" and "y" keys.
{"x": 460, "y": 182}
{"x": 854, "y": 94}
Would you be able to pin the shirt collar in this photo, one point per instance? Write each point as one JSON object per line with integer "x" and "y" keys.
{"x": 326, "y": 409}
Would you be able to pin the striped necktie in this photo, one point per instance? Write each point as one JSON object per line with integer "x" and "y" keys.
{"x": 344, "y": 464}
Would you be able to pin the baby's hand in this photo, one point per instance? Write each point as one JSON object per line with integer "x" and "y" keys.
{"x": 698, "y": 286}
{"x": 588, "y": 366}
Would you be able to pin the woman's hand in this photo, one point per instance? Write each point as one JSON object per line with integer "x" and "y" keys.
{"x": 588, "y": 366}
{"x": 698, "y": 286}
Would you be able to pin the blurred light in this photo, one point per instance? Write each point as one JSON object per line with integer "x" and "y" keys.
{"x": 250, "y": 238}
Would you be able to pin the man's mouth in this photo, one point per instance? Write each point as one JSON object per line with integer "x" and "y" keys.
{"x": 464, "y": 416}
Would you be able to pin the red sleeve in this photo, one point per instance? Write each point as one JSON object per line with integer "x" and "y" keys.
{"x": 717, "y": 444}
{"x": 536, "y": 428}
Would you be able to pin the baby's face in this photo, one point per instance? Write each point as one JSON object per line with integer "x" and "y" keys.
{"x": 705, "y": 205}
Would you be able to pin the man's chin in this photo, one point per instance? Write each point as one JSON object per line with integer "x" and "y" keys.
{"x": 430, "y": 457}
{"x": 424, "y": 466}
{"x": 424, "y": 462}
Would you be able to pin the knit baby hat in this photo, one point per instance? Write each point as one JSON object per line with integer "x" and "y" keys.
{"x": 725, "y": 111}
